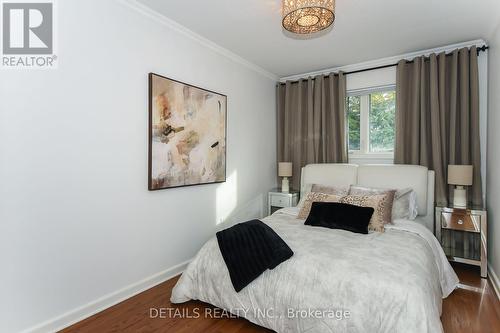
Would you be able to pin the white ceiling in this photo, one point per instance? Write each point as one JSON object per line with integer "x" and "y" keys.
{"x": 364, "y": 29}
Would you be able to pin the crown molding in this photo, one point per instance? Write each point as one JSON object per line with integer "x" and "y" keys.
{"x": 164, "y": 20}
{"x": 386, "y": 61}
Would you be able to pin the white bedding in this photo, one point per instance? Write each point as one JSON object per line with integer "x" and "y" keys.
{"x": 380, "y": 282}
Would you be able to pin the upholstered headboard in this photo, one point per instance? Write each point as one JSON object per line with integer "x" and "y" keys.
{"x": 419, "y": 178}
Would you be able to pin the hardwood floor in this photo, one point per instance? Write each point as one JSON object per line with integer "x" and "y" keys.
{"x": 473, "y": 308}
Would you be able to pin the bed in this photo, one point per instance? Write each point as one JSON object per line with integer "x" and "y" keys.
{"x": 339, "y": 281}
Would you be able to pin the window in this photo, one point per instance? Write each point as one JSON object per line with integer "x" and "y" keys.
{"x": 354, "y": 121}
{"x": 371, "y": 122}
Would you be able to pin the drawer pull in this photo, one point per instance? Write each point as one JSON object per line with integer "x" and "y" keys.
{"x": 460, "y": 221}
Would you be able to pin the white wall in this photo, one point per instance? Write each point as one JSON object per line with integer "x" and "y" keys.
{"x": 493, "y": 196}
{"x": 76, "y": 219}
{"x": 371, "y": 79}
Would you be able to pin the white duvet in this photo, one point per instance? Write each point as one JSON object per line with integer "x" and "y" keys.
{"x": 336, "y": 281}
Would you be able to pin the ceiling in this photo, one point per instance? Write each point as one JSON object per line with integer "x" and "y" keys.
{"x": 364, "y": 29}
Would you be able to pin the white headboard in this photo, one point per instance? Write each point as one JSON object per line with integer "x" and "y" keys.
{"x": 419, "y": 178}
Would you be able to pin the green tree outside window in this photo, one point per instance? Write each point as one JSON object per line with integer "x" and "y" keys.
{"x": 382, "y": 121}
{"x": 378, "y": 110}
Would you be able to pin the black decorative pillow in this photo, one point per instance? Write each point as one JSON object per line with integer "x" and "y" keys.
{"x": 249, "y": 249}
{"x": 335, "y": 215}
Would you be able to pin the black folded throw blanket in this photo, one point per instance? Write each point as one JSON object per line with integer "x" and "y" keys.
{"x": 249, "y": 249}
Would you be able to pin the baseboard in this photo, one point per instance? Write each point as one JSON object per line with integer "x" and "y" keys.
{"x": 89, "y": 309}
{"x": 494, "y": 281}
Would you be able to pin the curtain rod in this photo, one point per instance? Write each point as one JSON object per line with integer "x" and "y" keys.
{"x": 479, "y": 49}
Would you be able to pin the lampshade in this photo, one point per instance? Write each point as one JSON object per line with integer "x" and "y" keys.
{"x": 307, "y": 16}
{"x": 460, "y": 174}
{"x": 285, "y": 169}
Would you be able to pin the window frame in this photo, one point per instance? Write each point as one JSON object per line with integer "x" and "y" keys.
{"x": 364, "y": 123}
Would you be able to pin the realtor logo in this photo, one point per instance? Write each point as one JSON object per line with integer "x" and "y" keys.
{"x": 28, "y": 34}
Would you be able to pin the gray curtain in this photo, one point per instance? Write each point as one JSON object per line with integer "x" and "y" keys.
{"x": 437, "y": 117}
{"x": 311, "y": 122}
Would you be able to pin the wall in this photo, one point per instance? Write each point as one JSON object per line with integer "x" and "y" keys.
{"x": 78, "y": 227}
{"x": 371, "y": 79}
{"x": 493, "y": 189}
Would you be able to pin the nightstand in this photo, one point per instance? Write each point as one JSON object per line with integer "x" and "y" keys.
{"x": 463, "y": 235}
{"x": 278, "y": 199}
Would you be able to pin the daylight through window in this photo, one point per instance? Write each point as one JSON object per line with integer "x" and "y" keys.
{"x": 371, "y": 122}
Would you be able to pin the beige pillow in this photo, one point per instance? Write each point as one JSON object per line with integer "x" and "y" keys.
{"x": 337, "y": 190}
{"x": 381, "y": 203}
{"x": 316, "y": 197}
{"x": 307, "y": 190}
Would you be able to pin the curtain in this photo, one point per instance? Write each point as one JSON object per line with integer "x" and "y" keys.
{"x": 437, "y": 117}
{"x": 311, "y": 122}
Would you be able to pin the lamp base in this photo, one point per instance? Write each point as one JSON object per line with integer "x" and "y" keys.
{"x": 460, "y": 197}
{"x": 285, "y": 185}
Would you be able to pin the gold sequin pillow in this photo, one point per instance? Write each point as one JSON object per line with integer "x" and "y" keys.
{"x": 337, "y": 190}
{"x": 316, "y": 197}
{"x": 381, "y": 203}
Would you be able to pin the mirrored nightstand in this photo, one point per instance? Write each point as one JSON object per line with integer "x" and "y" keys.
{"x": 463, "y": 235}
{"x": 278, "y": 199}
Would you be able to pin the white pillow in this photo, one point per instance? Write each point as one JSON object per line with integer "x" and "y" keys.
{"x": 413, "y": 205}
{"x": 404, "y": 205}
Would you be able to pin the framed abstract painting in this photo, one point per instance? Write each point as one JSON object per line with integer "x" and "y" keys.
{"x": 187, "y": 134}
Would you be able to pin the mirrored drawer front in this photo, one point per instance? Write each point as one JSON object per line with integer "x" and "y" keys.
{"x": 458, "y": 221}
{"x": 462, "y": 244}
{"x": 280, "y": 201}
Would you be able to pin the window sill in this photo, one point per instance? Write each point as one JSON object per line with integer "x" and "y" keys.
{"x": 372, "y": 156}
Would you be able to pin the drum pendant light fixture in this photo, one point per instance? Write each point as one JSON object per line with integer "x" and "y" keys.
{"x": 307, "y": 16}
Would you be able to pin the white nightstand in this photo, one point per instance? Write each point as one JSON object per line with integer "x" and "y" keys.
{"x": 278, "y": 199}
{"x": 463, "y": 235}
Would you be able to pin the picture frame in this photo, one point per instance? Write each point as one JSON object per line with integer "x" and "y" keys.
{"x": 187, "y": 134}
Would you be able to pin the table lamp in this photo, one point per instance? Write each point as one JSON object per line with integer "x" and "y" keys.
{"x": 460, "y": 175}
{"x": 285, "y": 171}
